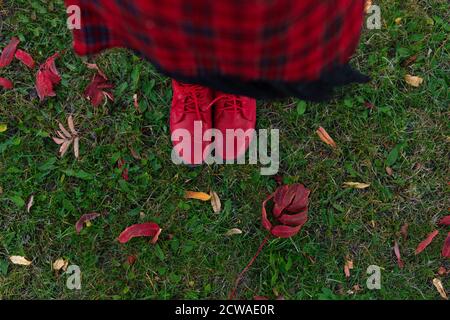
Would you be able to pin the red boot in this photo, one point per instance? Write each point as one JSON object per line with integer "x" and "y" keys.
{"x": 191, "y": 116}
{"x": 234, "y": 112}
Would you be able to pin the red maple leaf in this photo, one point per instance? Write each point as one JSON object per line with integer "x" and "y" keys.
{"x": 47, "y": 77}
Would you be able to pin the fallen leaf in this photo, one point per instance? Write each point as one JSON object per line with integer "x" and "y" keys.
{"x": 19, "y": 260}
{"x": 278, "y": 179}
{"x": 347, "y": 267}
{"x": 367, "y": 6}
{"x": 197, "y": 195}
{"x": 445, "y": 221}
{"x": 356, "y": 185}
{"x": 409, "y": 61}
{"x": 3, "y": 127}
{"x": 404, "y": 231}
{"x": 94, "y": 66}
{"x": 30, "y": 203}
{"x": 148, "y": 229}
{"x": 96, "y": 92}
{"x": 60, "y": 264}
{"x": 398, "y": 21}
{"x": 440, "y": 288}
{"x": 121, "y": 166}
{"x": 369, "y": 105}
{"x": 66, "y": 138}
{"x": 389, "y": 171}
{"x": 134, "y": 154}
{"x": 413, "y": 80}
{"x": 8, "y": 53}
{"x": 233, "y": 232}
{"x": 446, "y": 248}
{"x": 25, "y": 58}
{"x": 325, "y": 137}
{"x": 136, "y": 103}
{"x": 6, "y": 84}
{"x": 76, "y": 147}
{"x": 290, "y": 209}
{"x": 400, "y": 263}
{"x": 47, "y": 77}
{"x": 442, "y": 271}
{"x": 85, "y": 219}
{"x": 425, "y": 243}
{"x": 131, "y": 260}
{"x": 215, "y": 202}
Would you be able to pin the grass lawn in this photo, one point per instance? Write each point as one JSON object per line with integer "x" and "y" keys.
{"x": 194, "y": 259}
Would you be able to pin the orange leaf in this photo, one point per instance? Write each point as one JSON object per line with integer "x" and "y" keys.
{"x": 325, "y": 137}
{"x": 197, "y": 195}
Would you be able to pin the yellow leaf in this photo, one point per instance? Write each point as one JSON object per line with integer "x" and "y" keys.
{"x": 356, "y": 185}
{"x": 3, "y": 127}
{"x": 440, "y": 288}
{"x": 233, "y": 232}
{"x": 19, "y": 260}
{"x": 60, "y": 264}
{"x": 413, "y": 80}
{"x": 197, "y": 195}
{"x": 325, "y": 137}
{"x": 215, "y": 202}
{"x": 398, "y": 21}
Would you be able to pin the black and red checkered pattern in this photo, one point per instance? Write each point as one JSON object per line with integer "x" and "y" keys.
{"x": 250, "y": 40}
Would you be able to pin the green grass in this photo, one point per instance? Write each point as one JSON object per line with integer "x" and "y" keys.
{"x": 199, "y": 261}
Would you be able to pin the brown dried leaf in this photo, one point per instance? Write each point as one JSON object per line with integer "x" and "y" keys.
{"x": 30, "y": 203}
{"x": 404, "y": 231}
{"x": 76, "y": 147}
{"x": 19, "y": 260}
{"x": 61, "y": 135}
{"x": 71, "y": 126}
{"x": 215, "y": 202}
{"x": 65, "y": 146}
{"x": 356, "y": 185}
{"x": 64, "y": 131}
{"x": 60, "y": 264}
{"x": 58, "y": 141}
{"x": 413, "y": 80}
{"x": 440, "y": 288}
{"x": 233, "y": 232}
{"x": 134, "y": 154}
{"x": 389, "y": 171}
